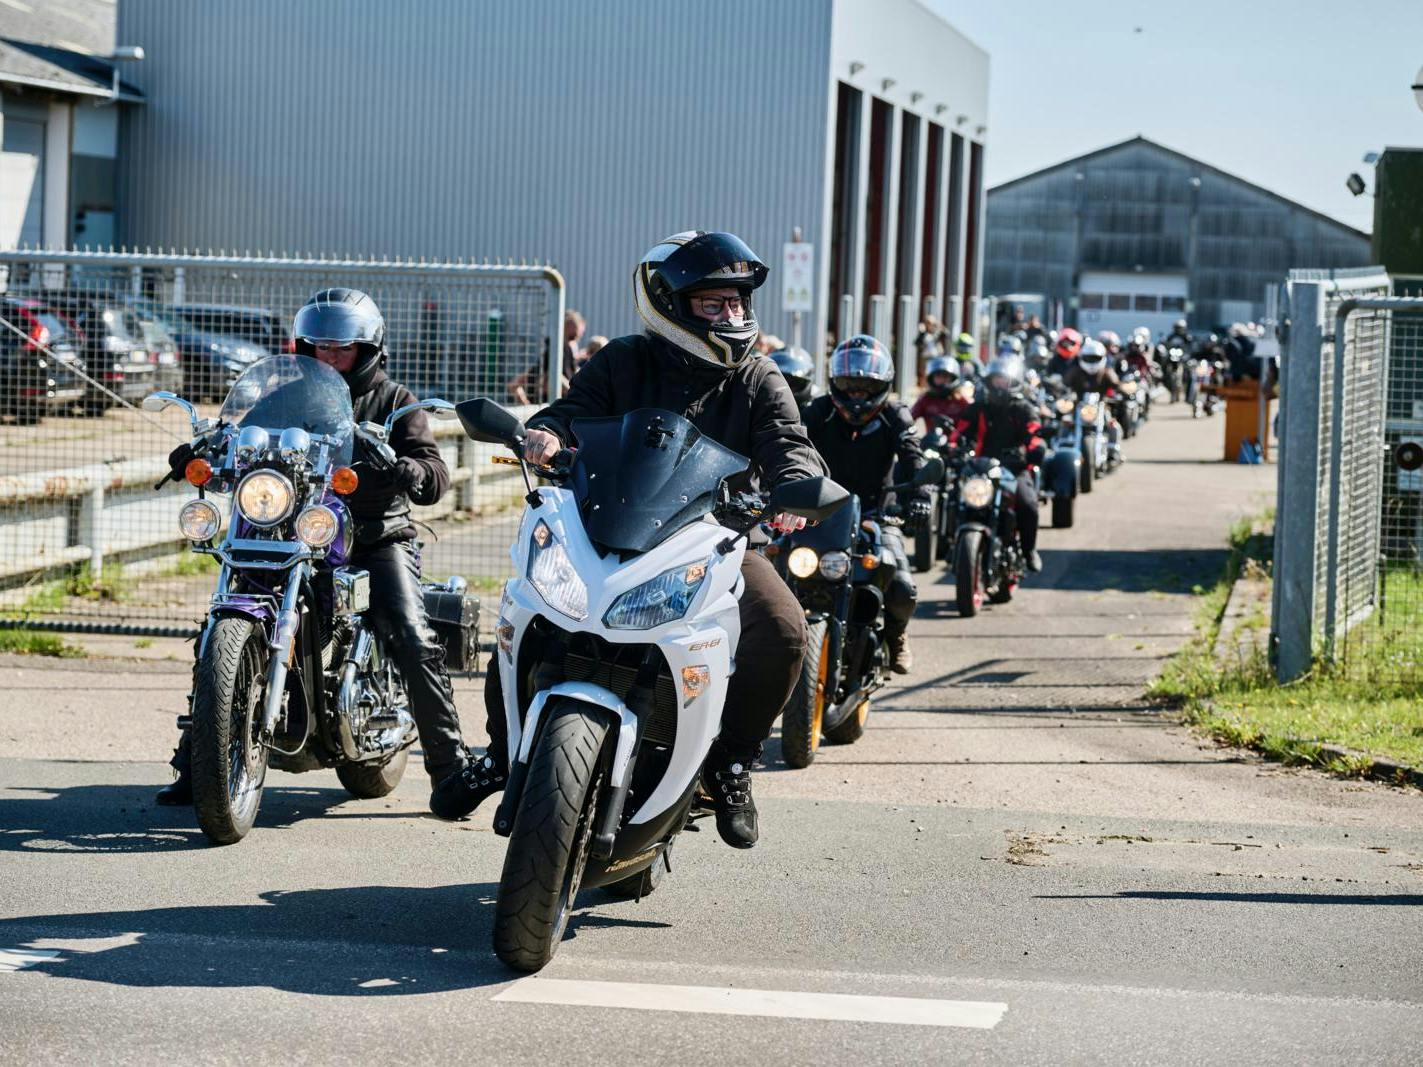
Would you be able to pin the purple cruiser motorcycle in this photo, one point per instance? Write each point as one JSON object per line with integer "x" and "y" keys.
{"x": 288, "y": 674}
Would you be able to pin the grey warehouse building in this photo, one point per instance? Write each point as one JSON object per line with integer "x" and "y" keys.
{"x": 573, "y": 133}
{"x": 1139, "y": 234}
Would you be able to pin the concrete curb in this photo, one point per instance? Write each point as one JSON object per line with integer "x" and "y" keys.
{"x": 1380, "y": 767}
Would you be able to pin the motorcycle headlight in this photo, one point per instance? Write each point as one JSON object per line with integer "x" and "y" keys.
{"x": 802, "y": 562}
{"x": 1064, "y": 406}
{"x": 1089, "y": 412}
{"x": 199, "y": 520}
{"x": 663, "y": 599}
{"x": 977, "y": 492}
{"x": 1129, "y": 388}
{"x": 316, "y": 526}
{"x": 553, "y": 575}
{"x": 834, "y": 566}
{"x": 265, "y": 498}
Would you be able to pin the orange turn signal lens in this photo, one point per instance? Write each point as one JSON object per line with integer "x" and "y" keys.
{"x": 198, "y": 472}
{"x": 869, "y": 561}
{"x": 344, "y": 481}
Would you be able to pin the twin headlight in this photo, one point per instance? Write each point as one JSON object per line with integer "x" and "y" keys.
{"x": 977, "y": 492}
{"x": 1129, "y": 388}
{"x": 265, "y": 498}
{"x": 1064, "y": 406}
{"x": 1088, "y": 412}
{"x": 803, "y": 562}
{"x": 554, "y": 576}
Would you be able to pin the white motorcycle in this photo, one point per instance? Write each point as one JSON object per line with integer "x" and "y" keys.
{"x": 616, "y": 640}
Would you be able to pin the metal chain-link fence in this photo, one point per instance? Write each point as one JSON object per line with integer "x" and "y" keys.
{"x": 1346, "y": 558}
{"x": 85, "y": 539}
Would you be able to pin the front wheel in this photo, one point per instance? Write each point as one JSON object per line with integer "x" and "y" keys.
{"x": 1062, "y": 512}
{"x": 805, "y": 711}
{"x": 548, "y": 848}
{"x": 371, "y": 780}
{"x": 968, "y": 573}
{"x": 1088, "y": 471}
{"x": 229, "y": 758}
{"x": 852, "y": 727}
{"x": 925, "y": 539}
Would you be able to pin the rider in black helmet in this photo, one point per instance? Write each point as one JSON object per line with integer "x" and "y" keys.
{"x": 798, "y": 369}
{"x": 695, "y": 357}
{"x": 869, "y": 442}
{"x": 344, "y": 329}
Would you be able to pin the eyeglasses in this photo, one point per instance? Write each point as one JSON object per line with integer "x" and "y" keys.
{"x": 712, "y": 305}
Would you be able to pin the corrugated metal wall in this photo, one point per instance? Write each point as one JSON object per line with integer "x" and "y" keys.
{"x": 1136, "y": 208}
{"x": 561, "y": 130}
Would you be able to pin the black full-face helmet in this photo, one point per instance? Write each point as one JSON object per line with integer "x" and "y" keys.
{"x": 1003, "y": 380}
{"x": 679, "y": 266}
{"x": 941, "y": 375}
{"x": 344, "y": 316}
{"x": 860, "y": 376}
{"x": 798, "y": 369}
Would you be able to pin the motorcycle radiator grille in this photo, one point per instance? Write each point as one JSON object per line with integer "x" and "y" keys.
{"x": 661, "y": 727}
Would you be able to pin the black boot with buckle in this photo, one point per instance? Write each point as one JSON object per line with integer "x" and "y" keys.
{"x": 726, "y": 777}
{"x": 458, "y": 794}
{"x": 179, "y": 792}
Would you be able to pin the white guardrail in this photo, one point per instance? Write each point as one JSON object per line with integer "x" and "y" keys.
{"x": 56, "y": 518}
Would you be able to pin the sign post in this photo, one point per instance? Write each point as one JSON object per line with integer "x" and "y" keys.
{"x": 797, "y": 282}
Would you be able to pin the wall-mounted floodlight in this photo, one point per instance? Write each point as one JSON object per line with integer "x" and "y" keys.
{"x": 1354, "y": 184}
{"x": 887, "y": 84}
{"x": 939, "y": 109}
{"x": 855, "y": 68}
{"x": 129, "y": 53}
{"x": 960, "y": 120}
{"x": 1418, "y": 87}
{"x": 1371, "y": 158}
{"x": 914, "y": 98}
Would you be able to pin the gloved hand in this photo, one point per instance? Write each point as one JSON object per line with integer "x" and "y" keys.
{"x": 405, "y": 477}
{"x": 919, "y": 511}
{"x": 180, "y": 457}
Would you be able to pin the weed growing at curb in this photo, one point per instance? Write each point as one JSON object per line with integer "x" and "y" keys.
{"x": 30, "y": 643}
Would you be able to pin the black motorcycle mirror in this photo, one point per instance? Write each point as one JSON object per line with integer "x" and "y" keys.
{"x": 484, "y": 420}
{"x": 815, "y": 499}
{"x": 931, "y": 472}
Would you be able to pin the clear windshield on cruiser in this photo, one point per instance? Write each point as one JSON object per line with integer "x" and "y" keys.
{"x": 280, "y": 392}
{"x": 642, "y": 477}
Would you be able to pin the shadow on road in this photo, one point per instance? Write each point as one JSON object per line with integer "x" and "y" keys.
{"x": 124, "y": 818}
{"x": 1098, "y": 570}
{"x": 1404, "y": 899}
{"x": 356, "y": 941}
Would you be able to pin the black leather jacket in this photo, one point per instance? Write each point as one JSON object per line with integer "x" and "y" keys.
{"x": 381, "y": 512}
{"x": 865, "y": 459}
{"x": 749, "y": 409}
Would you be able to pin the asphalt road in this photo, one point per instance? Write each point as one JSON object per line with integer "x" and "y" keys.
{"x": 1021, "y": 861}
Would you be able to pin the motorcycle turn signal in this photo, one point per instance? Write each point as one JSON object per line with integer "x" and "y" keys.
{"x": 344, "y": 481}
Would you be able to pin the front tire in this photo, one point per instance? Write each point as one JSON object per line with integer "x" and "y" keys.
{"x": 548, "y": 848}
{"x": 1062, "y": 512}
{"x": 805, "y": 711}
{"x": 368, "y": 781}
{"x": 852, "y": 728}
{"x": 229, "y": 762}
{"x": 968, "y": 573}
{"x": 925, "y": 540}
{"x": 1088, "y": 471}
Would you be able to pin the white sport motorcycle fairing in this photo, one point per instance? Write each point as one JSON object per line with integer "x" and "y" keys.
{"x": 616, "y": 641}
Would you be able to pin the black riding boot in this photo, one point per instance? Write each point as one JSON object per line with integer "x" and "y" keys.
{"x": 179, "y": 792}
{"x": 726, "y": 777}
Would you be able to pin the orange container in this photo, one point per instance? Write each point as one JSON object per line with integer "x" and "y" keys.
{"x": 1242, "y": 418}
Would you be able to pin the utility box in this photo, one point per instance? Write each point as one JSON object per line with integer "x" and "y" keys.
{"x": 1398, "y": 211}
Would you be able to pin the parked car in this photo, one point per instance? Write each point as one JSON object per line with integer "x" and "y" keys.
{"x": 255, "y": 325}
{"x": 158, "y": 337}
{"x": 209, "y": 361}
{"x": 36, "y": 380}
{"x": 111, "y": 343}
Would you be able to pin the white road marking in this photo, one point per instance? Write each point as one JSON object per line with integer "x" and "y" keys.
{"x": 783, "y": 1004}
{"x": 17, "y": 959}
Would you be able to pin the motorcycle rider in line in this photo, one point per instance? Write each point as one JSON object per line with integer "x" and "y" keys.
{"x": 344, "y": 329}
{"x": 695, "y": 358}
{"x": 1093, "y": 373}
{"x": 1064, "y": 354}
{"x": 1003, "y": 424}
{"x": 1179, "y": 337}
{"x": 969, "y": 369}
{"x": 798, "y": 369}
{"x": 869, "y": 442}
{"x": 946, "y": 396}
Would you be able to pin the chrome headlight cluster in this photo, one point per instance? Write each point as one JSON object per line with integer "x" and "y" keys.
{"x": 265, "y": 498}
{"x": 554, "y": 576}
{"x": 1064, "y": 406}
{"x": 834, "y": 566}
{"x": 199, "y": 520}
{"x": 1129, "y": 388}
{"x": 1089, "y": 412}
{"x": 663, "y": 599}
{"x": 802, "y": 561}
{"x": 977, "y": 492}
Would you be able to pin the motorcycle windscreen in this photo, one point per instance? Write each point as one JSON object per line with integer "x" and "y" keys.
{"x": 281, "y": 392}
{"x": 642, "y": 477}
{"x": 835, "y": 534}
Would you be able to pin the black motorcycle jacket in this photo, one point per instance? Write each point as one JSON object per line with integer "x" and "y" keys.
{"x": 380, "y": 505}
{"x": 1079, "y": 381}
{"x": 866, "y": 459}
{"x": 1006, "y": 432}
{"x": 748, "y": 408}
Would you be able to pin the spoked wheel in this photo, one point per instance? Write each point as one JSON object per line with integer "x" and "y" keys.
{"x": 229, "y": 760}
{"x": 548, "y": 848}
{"x": 805, "y": 711}
{"x": 968, "y": 573}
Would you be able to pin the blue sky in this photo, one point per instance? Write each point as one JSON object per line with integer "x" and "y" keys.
{"x": 1287, "y": 95}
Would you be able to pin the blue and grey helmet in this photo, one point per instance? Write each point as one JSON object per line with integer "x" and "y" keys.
{"x": 860, "y": 376}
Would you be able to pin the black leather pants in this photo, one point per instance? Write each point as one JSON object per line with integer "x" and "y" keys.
{"x": 397, "y": 615}
{"x": 768, "y": 659}
{"x": 1022, "y": 513}
{"x": 900, "y": 596}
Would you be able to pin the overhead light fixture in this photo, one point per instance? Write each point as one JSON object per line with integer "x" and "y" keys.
{"x": 855, "y": 68}
{"x": 939, "y": 109}
{"x": 887, "y": 84}
{"x": 960, "y": 120}
{"x": 130, "y": 53}
{"x": 1355, "y": 184}
{"x": 914, "y": 98}
{"x": 981, "y": 130}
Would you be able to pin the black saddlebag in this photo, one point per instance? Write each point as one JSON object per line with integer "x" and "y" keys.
{"x": 455, "y": 617}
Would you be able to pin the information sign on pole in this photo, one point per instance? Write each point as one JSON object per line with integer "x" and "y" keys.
{"x": 797, "y": 277}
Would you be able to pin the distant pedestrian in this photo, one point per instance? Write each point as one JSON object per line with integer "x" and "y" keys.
{"x": 530, "y": 385}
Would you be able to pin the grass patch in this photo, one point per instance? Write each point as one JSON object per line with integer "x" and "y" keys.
{"x": 1366, "y": 701}
{"x": 109, "y": 584}
{"x": 31, "y": 643}
{"x": 190, "y": 564}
